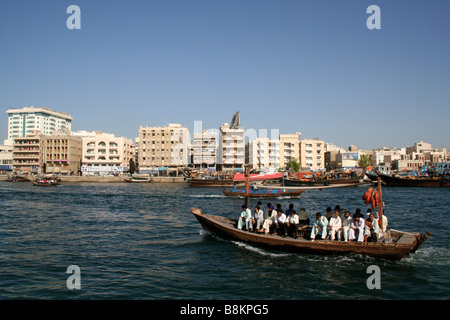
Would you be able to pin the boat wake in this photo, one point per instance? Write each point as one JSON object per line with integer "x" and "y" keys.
{"x": 207, "y": 196}
{"x": 259, "y": 250}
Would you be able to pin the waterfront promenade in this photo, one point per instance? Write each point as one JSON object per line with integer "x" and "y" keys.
{"x": 98, "y": 179}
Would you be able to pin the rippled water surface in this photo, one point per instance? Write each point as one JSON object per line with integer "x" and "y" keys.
{"x": 135, "y": 241}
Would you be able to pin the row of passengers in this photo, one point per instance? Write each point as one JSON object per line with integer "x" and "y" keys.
{"x": 348, "y": 228}
{"x": 275, "y": 219}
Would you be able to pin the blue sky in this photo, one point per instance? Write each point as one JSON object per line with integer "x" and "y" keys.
{"x": 307, "y": 66}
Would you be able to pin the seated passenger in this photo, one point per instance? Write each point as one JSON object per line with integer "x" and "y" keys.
{"x": 380, "y": 226}
{"x": 356, "y": 231}
{"x": 346, "y": 224}
{"x": 369, "y": 228}
{"x": 245, "y": 218}
{"x": 258, "y": 218}
{"x": 280, "y": 220}
{"x": 269, "y": 221}
{"x": 292, "y": 224}
{"x": 319, "y": 227}
{"x": 303, "y": 217}
{"x": 335, "y": 226}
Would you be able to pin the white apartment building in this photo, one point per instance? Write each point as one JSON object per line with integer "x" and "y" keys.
{"x": 386, "y": 156}
{"x": 104, "y": 153}
{"x": 263, "y": 154}
{"x": 231, "y": 155}
{"x": 312, "y": 154}
{"x": 205, "y": 149}
{"x": 289, "y": 148}
{"x": 22, "y": 122}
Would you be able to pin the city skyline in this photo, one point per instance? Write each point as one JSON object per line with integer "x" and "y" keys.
{"x": 293, "y": 66}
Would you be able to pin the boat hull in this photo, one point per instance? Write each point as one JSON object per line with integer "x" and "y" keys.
{"x": 211, "y": 183}
{"x": 263, "y": 193}
{"x": 45, "y": 184}
{"x": 421, "y": 182}
{"x": 137, "y": 180}
{"x": 312, "y": 183}
{"x": 226, "y": 228}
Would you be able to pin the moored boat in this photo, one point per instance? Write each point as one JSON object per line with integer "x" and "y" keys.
{"x": 17, "y": 178}
{"x": 45, "y": 183}
{"x": 421, "y": 181}
{"x": 214, "y": 182}
{"x": 137, "y": 180}
{"x": 350, "y": 181}
{"x": 402, "y": 243}
{"x": 263, "y": 193}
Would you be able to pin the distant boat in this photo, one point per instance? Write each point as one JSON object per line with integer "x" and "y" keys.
{"x": 373, "y": 176}
{"x": 263, "y": 193}
{"x": 45, "y": 183}
{"x": 420, "y": 181}
{"x": 138, "y": 179}
{"x": 17, "y": 178}
{"x": 402, "y": 243}
{"x": 350, "y": 181}
{"x": 213, "y": 182}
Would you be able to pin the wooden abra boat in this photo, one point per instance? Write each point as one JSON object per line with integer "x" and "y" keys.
{"x": 403, "y": 243}
{"x": 350, "y": 181}
{"x": 17, "y": 178}
{"x": 198, "y": 182}
{"x": 397, "y": 181}
{"x": 45, "y": 183}
{"x": 137, "y": 180}
{"x": 263, "y": 193}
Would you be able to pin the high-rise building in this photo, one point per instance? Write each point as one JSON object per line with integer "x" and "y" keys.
{"x": 231, "y": 155}
{"x": 22, "y": 122}
{"x": 205, "y": 149}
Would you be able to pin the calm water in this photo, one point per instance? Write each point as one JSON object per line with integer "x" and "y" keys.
{"x": 135, "y": 241}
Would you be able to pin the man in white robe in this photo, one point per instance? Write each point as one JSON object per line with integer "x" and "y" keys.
{"x": 346, "y": 223}
{"x": 269, "y": 221}
{"x": 258, "y": 218}
{"x": 380, "y": 226}
{"x": 357, "y": 229}
{"x": 245, "y": 218}
{"x": 335, "y": 226}
{"x": 320, "y": 226}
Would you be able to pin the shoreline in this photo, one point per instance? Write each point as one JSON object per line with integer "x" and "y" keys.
{"x": 78, "y": 179}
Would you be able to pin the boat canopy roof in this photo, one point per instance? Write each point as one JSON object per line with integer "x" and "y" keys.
{"x": 256, "y": 177}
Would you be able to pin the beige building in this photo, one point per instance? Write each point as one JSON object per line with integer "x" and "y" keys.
{"x": 104, "y": 153}
{"x": 312, "y": 154}
{"x": 263, "y": 154}
{"x": 231, "y": 153}
{"x": 205, "y": 148}
{"x": 62, "y": 153}
{"x": 289, "y": 148}
{"x": 28, "y": 153}
{"x": 163, "y": 146}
